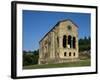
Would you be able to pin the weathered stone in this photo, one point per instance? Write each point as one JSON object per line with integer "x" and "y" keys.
{"x": 60, "y": 44}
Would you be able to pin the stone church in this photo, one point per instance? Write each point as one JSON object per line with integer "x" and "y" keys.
{"x": 60, "y": 44}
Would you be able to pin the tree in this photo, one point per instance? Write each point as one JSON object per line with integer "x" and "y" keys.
{"x": 30, "y": 59}
{"x": 85, "y": 44}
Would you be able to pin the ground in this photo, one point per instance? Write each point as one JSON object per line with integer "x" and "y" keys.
{"x": 79, "y": 63}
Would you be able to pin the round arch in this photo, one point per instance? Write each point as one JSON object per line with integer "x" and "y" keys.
{"x": 69, "y": 40}
{"x": 64, "y": 41}
{"x": 74, "y": 42}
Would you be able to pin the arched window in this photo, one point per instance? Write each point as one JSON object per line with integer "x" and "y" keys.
{"x": 65, "y": 54}
{"x": 69, "y": 53}
{"x": 64, "y": 41}
{"x": 69, "y": 41}
{"x": 74, "y": 54}
{"x": 74, "y": 42}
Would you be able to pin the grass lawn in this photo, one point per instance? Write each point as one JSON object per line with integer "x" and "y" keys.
{"x": 67, "y": 64}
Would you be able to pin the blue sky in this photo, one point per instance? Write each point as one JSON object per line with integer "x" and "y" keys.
{"x": 37, "y": 23}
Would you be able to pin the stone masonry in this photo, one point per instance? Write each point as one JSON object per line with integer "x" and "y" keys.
{"x": 60, "y": 44}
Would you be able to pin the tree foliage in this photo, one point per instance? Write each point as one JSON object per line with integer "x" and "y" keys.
{"x": 84, "y": 44}
{"x": 30, "y": 57}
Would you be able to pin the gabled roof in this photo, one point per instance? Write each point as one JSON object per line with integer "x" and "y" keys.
{"x": 68, "y": 20}
{"x": 56, "y": 26}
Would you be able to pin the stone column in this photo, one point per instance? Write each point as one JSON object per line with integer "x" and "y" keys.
{"x": 40, "y": 52}
{"x": 50, "y": 46}
{"x": 53, "y": 44}
{"x": 60, "y": 42}
{"x": 52, "y": 49}
{"x": 77, "y": 47}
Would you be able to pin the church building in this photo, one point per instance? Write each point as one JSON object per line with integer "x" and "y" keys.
{"x": 60, "y": 44}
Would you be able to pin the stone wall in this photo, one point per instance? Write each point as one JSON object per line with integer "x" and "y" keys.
{"x": 60, "y": 44}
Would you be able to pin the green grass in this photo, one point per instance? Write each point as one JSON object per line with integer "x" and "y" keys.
{"x": 67, "y": 64}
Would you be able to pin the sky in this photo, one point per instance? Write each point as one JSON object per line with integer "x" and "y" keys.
{"x": 37, "y": 23}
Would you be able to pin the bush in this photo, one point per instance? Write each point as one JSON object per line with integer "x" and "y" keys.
{"x": 30, "y": 58}
{"x": 84, "y": 44}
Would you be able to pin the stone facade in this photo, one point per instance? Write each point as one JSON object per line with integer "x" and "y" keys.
{"x": 60, "y": 44}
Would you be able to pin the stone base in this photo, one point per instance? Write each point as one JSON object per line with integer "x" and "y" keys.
{"x": 52, "y": 61}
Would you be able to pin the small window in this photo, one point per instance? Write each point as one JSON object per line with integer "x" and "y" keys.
{"x": 69, "y": 53}
{"x": 69, "y": 27}
{"x": 69, "y": 40}
{"x": 64, "y": 41}
{"x": 74, "y": 42}
{"x": 65, "y": 54}
{"x": 74, "y": 54}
